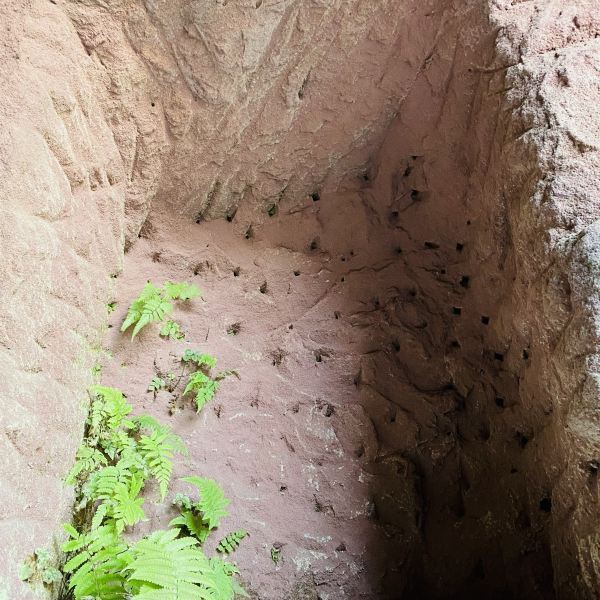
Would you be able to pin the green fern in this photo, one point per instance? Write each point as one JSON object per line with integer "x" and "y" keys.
{"x": 183, "y": 501}
{"x": 204, "y": 388}
{"x": 119, "y": 455}
{"x": 168, "y": 567}
{"x": 154, "y": 304}
{"x": 181, "y": 291}
{"x": 171, "y": 330}
{"x": 108, "y": 411}
{"x": 157, "y": 451}
{"x": 200, "y": 358}
{"x": 87, "y": 460}
{"x": 103, "y": 483}
{"x": 156, "y": 384}
{"x": 193, "y": 522}
{"x": 155, "y": 310}
{"x": 231, "y": 541}
{"x": 136, "y": 310}
{"x": 96, "y": 566}
{"x": 212, "y": 501}
{"x": 148, "y": 423}
{"x": 126, "y": 506}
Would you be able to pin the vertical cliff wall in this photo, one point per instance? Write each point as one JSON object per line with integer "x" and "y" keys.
{"x": 61, "y": 237}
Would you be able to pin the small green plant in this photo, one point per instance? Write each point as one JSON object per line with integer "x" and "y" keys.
{"x": 111, "y": 307}
{"x": 154, "y": 304}
{"x": 204, "y": 388}
{"x": 231, "y": 541}
{"x": 171, "y": 330}
{"x": 119, "y": 455}
{"x": 199, "y": 517}
{"x": 40, "y": 567}
{"x": 275, "y": 554}
{"x": 201, "y": 382}
{"x": 156, "y": 385}
{"x": 96, "y": 371}
{"x": 199, "y": 358}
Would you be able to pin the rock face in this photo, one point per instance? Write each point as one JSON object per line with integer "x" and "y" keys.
{"x": 469, "y": 128}
{"x": 61, "y": 235}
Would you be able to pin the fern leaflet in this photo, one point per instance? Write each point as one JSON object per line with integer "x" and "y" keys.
{"x": 151, "y": 424}
{"x": 154, "y": 311}
{"x": 156, "y": 384}
{"x": 231, "y": 541}
{"x": 87, "y": 460}
{"x": 126, "y": 506}
{"x": 201, "y": 359}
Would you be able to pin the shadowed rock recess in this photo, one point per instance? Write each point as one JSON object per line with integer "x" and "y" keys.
{"x": 392, "y": 208}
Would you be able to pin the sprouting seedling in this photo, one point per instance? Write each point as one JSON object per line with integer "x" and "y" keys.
{"x": 156, "y": 385}
{"x": 201, "y": 359}
{"x": 276, "y": 554}
{"x": 111, "y": 307}
{"x": 204, "y": 387}
{"x": 201, "y": 382}
{"x": 154, "y": 304}
{"x": 172, "y": 330}
{"x": 40, "y": 566}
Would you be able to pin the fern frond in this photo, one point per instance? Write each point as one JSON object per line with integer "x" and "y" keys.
{"x": 109, "y": 408}
{"x": 156, "y": 384}
{"x": 201, "y": 359}
{"x": 151, "y": 424}
{"x": 172, "y": 330}
{"x": 133, "y": 314}
{"x": 103, "y": 483}
{"x": 157, "y": 451}
{"x": 231, "y": 541}
{"x": 126, "y": 506}
{"x": 136, "y": 309}
{"x": 223, "y": 584}
{"x": 193, "y": 523}
{"x": 154, "y": 304}
{"x": 183, "y": 501}
{"x": 96, "y": 568}
{"x": 181, "y": 291}
{"x": 117, "y": 443}
{"x": 154, "y": 311}
{"x": 168, "y": 567}
{"x": 87, "y": 460}
{"x": 204, "y": 387}
{"x": 212, "y": 501}
{"x": 99, "y": 515}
